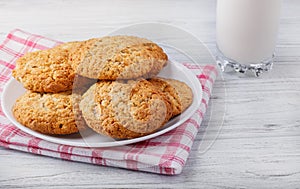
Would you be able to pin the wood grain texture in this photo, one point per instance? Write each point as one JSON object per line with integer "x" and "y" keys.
{"x": 259, "y": 143}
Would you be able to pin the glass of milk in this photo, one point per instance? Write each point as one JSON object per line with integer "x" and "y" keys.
{"x": 246, "y": 34}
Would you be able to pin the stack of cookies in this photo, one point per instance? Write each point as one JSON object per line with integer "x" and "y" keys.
{"x": 108, "y": 84}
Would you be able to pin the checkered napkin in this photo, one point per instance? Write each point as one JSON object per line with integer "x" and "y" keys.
{"x": 165, "y": 154}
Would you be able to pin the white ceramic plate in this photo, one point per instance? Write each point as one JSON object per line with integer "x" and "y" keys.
{"x": 173, "y": 70}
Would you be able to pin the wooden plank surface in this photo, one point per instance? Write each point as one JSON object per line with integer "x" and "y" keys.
{"x": 259, "y": 143}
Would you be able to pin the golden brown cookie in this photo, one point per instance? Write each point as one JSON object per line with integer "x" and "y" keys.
{"x": 118, "y": 57}
{"x": 46, "y": 113}
{"x": 125, "y": 109}
{"x": 179, "y": 93}
{"x": 46, "y": 70}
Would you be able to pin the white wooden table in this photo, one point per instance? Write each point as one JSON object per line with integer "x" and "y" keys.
{"x": 259, "y": 144}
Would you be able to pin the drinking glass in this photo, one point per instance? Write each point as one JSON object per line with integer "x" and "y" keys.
{"x": 246, "y": 34}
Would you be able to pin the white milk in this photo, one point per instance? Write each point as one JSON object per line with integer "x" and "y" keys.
{"x": 247, "y": 29}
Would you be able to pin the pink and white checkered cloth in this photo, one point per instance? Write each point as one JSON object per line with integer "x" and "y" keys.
{"x": 165, "y": 154}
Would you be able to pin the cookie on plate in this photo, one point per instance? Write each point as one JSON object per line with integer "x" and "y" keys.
{"x": 125, "y": 109}
{"x": 179, "y": 93}
{"x": 46, "y": 70}
{"x": 46, "y": 113}
{"x": 118, "y": 57}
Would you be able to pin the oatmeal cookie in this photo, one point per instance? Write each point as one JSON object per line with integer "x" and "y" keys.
{"x": 46, "y": 70}
{"x": 179, "y": 93}
{"x": 46, "y": 113}
{"x": 125, "y": 109}
{"x": 118, "y": 57}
